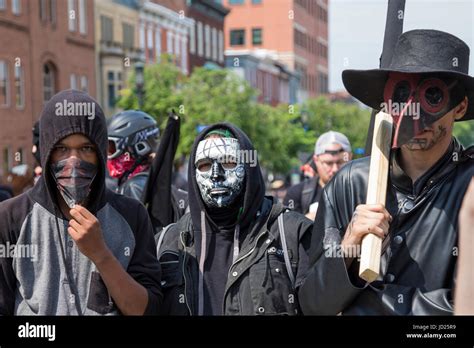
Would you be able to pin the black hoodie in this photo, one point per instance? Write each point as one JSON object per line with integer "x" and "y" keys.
{"x": 200, "y": 276}
{"x": 220, "y": 223}
{"x": 33, "y": 218}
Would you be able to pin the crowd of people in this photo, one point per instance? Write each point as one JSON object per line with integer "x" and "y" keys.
{"x": 230, "y": 248}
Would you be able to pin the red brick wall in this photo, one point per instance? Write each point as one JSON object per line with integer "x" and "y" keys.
{"x": 37, "y": 42}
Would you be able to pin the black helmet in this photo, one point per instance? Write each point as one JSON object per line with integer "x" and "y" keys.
{"x": 132, "y": 131}
{"x": 36, "y": 136}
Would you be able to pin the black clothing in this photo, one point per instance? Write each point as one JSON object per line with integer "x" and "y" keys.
{"x": 300, "y": 196}
{"x": 418, "y": 264}
{"x": 257, "y": 281}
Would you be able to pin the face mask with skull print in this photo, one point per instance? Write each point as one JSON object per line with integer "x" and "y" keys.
{"x": 219, "y": 174}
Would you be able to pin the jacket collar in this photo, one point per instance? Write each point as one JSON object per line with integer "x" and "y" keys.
{"x": 445, "y": 164}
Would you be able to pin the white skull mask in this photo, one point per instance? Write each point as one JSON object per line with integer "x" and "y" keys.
{"x": 219, "y": 174}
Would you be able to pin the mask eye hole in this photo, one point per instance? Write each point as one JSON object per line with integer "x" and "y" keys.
{"x": 401, "y": 92}
{"x": 204, "y": 165}
{"x": 229, "y": 165}
{"x": 434, "y": 95}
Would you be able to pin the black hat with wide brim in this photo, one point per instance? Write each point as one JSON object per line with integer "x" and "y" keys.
{"x": 417, "y": 52}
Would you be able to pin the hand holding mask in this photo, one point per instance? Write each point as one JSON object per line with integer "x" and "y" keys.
{"x": 74, "y": 179}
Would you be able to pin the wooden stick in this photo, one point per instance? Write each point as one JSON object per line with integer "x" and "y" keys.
{"x": 376, "y": 193}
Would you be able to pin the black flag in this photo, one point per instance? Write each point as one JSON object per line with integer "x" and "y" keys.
{"x": 393, "y": 29}
{"x": 157, "y": 195}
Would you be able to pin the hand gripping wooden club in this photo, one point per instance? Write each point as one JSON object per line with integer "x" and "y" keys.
{"x": 376, "y": 193}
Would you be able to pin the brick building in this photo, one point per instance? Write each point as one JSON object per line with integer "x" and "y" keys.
{"x": 117, "y": 48}
{"x": 205, "y": 25}
{"x": 45, "y": 46}
{"x": 293, "y": 32}
{"x": 275, "y": 81}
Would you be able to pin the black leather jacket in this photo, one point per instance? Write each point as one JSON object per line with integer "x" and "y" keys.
{"x": 419, "y": 255}
{"x": 257, "y": 283}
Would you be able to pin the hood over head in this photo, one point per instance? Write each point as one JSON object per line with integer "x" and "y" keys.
{"x": 66, "y": 113}
{"x": 254, "y": 187}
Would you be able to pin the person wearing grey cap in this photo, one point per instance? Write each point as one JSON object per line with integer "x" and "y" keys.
{"x": 331, "y": 152}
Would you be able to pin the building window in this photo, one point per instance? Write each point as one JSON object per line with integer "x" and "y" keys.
{"x": 236, "y": 2}
{"x": 149, "y": 44}
{"x": 127, "y": 33}
{"x": 323, "y": 50}
{"x": 200, "y": 40}
{"x": 7, "y": 159}
{"x": 142, "y": 36}
{"x": 113, "y": 83}
{"x": 184, "y": 55}
{"x": 49, "y": 80}
{"x": 2, "y": 4}
{"x": 221, "y": 46}
{"x": 82, "y": 17}
{"x": 16, "y": 7}
{"x": 192, "y": 39}
{"x": 207, "y": 35}
{"x": 257, "y": 36}
{"x": 19, "y": 88}
{"x": 4, "y": 88}
{"x": 52, "y": 11}
{"x": 169, "y": 42}
{"x": 106, "y": 29}
{"x": 214, "y": 44}
{"x": 303, "y": 75}
{"x": 177, "y": 48}
{"x": 158, "y": 43}
{"x": 84, "y": 84}
{"x": 237, "y": 37}
{"x": 43, "y": 10}
{"x": 71, "y": 12}
{"x": 73, "y": 81}
{"x": 323, "y": 83}
{"x": 322, "y": 14}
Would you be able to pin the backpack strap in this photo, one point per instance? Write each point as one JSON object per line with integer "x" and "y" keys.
{"x": 281, "y": 230}
{"x": 160, "y": 238}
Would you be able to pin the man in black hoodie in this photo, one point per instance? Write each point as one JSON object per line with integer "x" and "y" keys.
{"x": 85, "y": 250}
{"x": 237, "y": 252}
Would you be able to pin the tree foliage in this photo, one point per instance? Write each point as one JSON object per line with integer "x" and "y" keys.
{"x": 209, "y": 96}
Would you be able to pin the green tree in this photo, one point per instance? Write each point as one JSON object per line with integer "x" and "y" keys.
{"x": 210, "y": 96}
{"x": 349, "y": 119}
{"x": 162, "y": 90}
{"x": 464, "y": 132}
